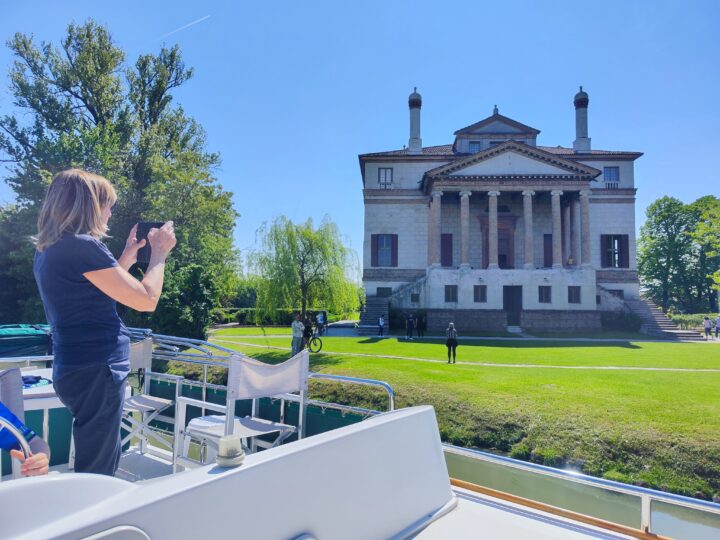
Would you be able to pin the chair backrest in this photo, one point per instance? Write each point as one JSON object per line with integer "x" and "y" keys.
{"x": 249, "y": 378}
{"x": 141, "y": 354}
{"x": 11, "y": 392}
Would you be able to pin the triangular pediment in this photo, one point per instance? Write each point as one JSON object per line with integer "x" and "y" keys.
{"x": 513, "y": 158}
{"x": 497, "y": 124}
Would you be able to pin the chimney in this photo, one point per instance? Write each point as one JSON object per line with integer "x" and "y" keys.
{"x": 582, "y": 141}
{"x": 415, "y": 143}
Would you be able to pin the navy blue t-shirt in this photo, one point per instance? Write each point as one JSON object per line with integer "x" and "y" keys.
{"x": 86, "y": 328}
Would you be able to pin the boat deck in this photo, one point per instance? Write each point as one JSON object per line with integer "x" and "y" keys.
{"x": 480, "y": 515}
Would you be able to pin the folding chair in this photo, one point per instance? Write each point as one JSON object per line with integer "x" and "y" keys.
{"x": 142, "y": 403}
{"x": 247, "y": 379}
{"x": 11, "y": 395}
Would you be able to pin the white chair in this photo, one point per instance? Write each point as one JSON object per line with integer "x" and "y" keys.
{"x": 142, "y": 404}
{"x": 247, "y": 379}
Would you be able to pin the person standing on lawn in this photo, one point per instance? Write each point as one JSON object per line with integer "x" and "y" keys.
{"x": 421, "y": 325}
{"x": 707, "y": 325}
{"x": 451, "y": 342}
{"x": 297, "y": 334}
{"x": 381, "y": 325}
{"x": 717, "y": 326}
{"x": 409, "y": 326}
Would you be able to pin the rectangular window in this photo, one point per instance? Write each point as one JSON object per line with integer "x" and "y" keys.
{"x": 573, "y": 294}
{"x": 384, "y": 291}
{"x": 385, "y": 177}
{"x": 598, "y": 300}
{"x": 617, "y": 292}
{"x": 475, "y": 147}
{"x": 545, "y": 294}
{"x": 611, "y": 176}
{"x": 384, "y": 250}
{"x": 480, "y": 293}
{"x": 415, "y": 297}
{"x": 451, "y": 293}
{"x": 614, "y": 251}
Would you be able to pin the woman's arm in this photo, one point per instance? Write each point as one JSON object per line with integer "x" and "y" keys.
{"x": 143, "y": 295}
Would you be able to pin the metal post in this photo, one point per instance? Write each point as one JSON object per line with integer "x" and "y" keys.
{"x": 645, "y": 513}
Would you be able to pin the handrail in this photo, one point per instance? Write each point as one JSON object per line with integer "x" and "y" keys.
{"x": 356, "y": 380}
{"x": 646, "y": 495}
{"x": 557, "y": 511}
{"x": 25, "y": 359}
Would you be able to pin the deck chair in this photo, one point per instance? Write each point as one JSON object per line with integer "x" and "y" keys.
{"x": 142, "y": 404}
{"x": 247, "y": 379}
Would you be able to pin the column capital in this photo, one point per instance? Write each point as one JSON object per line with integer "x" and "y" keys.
{"x": 493, "y": 193}
{"x": 556, "y": 192}
{"x": 465, "y": 193}
{"x": 436, "y": 193}
{"x": 528, "y": 193}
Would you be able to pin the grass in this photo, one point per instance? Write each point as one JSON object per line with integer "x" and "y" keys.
{"x": 548, "y": 353}
{"x": 654, "y": 428}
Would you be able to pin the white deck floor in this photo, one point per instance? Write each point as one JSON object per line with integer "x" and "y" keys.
{"x": 480, "y": 516}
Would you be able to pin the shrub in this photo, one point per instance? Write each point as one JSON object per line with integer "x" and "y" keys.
{"x": 691, "y": 321}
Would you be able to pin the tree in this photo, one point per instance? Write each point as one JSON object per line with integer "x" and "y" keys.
{"x": 664, "y": 248}
{"x": 301, "y": 267}
{"x": 707, "y": 235}
{"x": 79, "y": 105}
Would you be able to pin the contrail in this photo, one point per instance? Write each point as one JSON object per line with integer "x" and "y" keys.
{"x": 201, "y": 19}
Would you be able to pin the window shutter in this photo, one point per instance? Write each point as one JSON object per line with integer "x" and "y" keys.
{"x": 394, "y": 245}
{"x": 373, "y": 250}
{"x": 624, "y": 251}
{"x": 604, "y": 249}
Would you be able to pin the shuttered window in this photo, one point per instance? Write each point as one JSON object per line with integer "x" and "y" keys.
{"x": 614, "y": 251}
{"x": 384, "y": 250}
{"x": 480, "y": 293}
{"x": 451, "y": 293}
{"x": 545, "y": 294}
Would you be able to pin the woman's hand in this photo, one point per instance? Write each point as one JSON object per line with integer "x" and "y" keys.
{"x": 36, "y": 465}
{"x": 132, "y": 246}
{"x": 162, "y": 240}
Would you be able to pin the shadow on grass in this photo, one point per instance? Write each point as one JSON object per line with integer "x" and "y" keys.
{"x": 277, "y": 357}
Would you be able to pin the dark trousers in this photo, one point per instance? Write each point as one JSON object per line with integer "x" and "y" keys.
{"x": 381, "y": 330}
{"x": 409, "y": 334}
{"x": 451, "y": 345}
{"x": 95, "y": 402}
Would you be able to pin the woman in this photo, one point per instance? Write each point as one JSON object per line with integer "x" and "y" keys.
{"x": 451, "y": 342}
{"x": 79, "y": 282}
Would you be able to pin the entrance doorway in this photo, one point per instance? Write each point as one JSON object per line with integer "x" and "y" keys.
{"x": 512, "y": 303}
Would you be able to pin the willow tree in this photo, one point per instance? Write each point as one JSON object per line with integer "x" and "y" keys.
{"x": 301, "y": 267}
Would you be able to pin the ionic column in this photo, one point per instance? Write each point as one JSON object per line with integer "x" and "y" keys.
{"x": 566, "y": 232}
{"x": 528, "y": 219}
{"x": 575, "y": 231}
{"x": 493, "y": 232}
{"x": 556, "y": 229}
{"x": 465, "y": 228}
{"x": 585, "y": 226}
{"x": 434, "y": 229}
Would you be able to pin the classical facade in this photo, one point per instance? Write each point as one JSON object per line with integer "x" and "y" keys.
{"x": 494, "y": 230}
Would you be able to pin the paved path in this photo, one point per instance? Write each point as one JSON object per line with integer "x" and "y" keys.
{"x": 482, "y": 364}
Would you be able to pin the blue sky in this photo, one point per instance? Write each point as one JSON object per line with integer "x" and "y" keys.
{"x": 291, "y": 92}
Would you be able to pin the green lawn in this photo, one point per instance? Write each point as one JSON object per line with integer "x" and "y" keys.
{"x": 655, "y": 428}
{"x": 554, "y": 353}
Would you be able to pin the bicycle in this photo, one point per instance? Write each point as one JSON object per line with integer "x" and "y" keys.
{"x": 314, "y": 343}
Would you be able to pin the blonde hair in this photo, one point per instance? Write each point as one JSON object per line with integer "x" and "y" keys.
{"x": 74, "y": 203}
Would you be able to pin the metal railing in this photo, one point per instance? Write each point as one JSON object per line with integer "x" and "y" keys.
{"x": 647, "y": 496}
{"x": 205, "y": 354}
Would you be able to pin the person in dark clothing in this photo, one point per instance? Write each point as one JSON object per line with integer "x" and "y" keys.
{"x": 307, "y": 331}
{"x": 80, "y": 282}
{"x": 421, "y": 325}
{"x": 451, "y": 342}
{"x": 381, "y": 326}
{"x": 409, "y": 326}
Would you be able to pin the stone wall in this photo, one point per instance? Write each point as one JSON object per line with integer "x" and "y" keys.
{"x": 466, "y": 320}
{"x": 552, "y": 320}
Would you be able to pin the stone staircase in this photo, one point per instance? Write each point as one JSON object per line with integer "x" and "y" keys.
{"x": 375, "y": 306}
{"x": 656, "y": 323}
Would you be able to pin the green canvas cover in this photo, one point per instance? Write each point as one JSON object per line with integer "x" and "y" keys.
{"x": 24, "y": 340}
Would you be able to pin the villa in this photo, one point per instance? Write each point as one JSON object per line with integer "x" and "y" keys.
{"x": 495, "y": 231}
